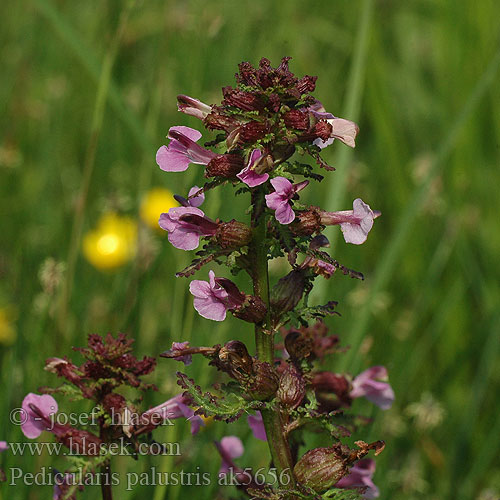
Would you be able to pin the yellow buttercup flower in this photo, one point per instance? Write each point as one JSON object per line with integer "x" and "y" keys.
{"x": 112, "y": 243}
{"x": 7, "y": 332}
{"x": 155, "y": 202}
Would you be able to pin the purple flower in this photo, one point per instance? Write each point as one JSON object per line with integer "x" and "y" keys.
{"x": 230, "y": 447}
{"x": 280, "y": 199}
{"x": 212, "y": 300}
{"x": 3, "y": 445}
{"x": 179, "y": 347}
{"x": 37, "y": 410}
{"x": 360, "y": 476}
{"x": 344, "y": 130}
{"x": 172, "y": 409}
{"x": 368, "y": 384}
{"x": 197, "y": 200}
{"x": 182, "y": 150}
{"x": 193, "y": 107}
{"x": 185, "y": 226}
{"x": 257, "y": 425}
{"x": 355, "y": 223}
{"x": 248, "y": 174}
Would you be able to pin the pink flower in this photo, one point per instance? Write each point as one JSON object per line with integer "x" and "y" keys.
{"x": 360, "y": 476}
{"x": 248, "y": 174}
{"x": 172, "y": 409}
{"x": 182, "y": 150}
{"x": 280, "y": 199}
{"x": 3, "y": 445}
{"x": 355, "y": 223}
{"x": 229, "y": 447}
{"x": 256, "y": 423}
{"x": 193, "y": 107}
{"x": 185, "y": 226}
{"x": 213, "y": 298}
{"x": 37, "y": 411}
{"x": 179, "y": 347}
{"x": 368, "y": 384}
{"x": 344, "y": 130}
{"x": 197, "y": 200}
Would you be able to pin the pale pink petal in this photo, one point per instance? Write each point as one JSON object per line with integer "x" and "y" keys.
{"x": 257, "y": 425}
{"x": 200, "y": 289}
{"x": 282, "y": 186}
{"x": 367, "y": 384}
{"x": 353, "y": 233}
{"x": 275, "y": 200}
{"x": 184, "y": 238}
{"x": 233, "y": 446}
{"x": 210, "y": 309}
{"x": 34, "y": 424}
{"x": 190, "y": 133}
{"x": 172, "y": 160}
{"x": 251, "y": 178}
{"x": 196, "y": 201}
{"x": 344, "y": 130}
{"x": 284, "y": 214}
{"x": 361, "y": 476}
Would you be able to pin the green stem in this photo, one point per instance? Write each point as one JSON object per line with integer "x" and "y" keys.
{"x": 264, "y": 341}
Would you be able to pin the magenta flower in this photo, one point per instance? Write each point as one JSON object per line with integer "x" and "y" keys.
{"x": 193, "y": 107}
{"x": 212, "y": 300}
{"x": 172, "y": 409}
{"x": 248, "y": 174}
{"x": 280, "y": 199}
{"x": 179, "y": 347}
{"x": 182, "y": 150}
{"x": 373, "y": 386}
{"x": 257, "y": 425}
{"x": 185, "y": 226}
{"x": 355, "y": 223}
{"x": 229, "y": 447}
{"x": 344, "y": 130}
{"x": 37, "y": 411}
{"x": 3, "y": 445}
{"x": 360, "y": 476}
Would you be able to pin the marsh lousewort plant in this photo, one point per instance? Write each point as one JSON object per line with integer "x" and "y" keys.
{"x": 264, "y": 130}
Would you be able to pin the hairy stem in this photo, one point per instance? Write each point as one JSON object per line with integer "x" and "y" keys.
{"x": 264, "y": 340}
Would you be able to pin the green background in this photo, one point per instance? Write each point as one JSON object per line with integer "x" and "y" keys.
{"x": 422, "y": 80}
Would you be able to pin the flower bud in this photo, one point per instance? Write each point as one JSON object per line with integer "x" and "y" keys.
{"x": 307, "y": 84}
{"x": 252, "y": 310}
{"x": 253, "y": 131}
{"x": 193, "y": 107}
{"x": 233, "y": 234}
{"x": 298, "y": 345}
{"x": 296, "y": 119}
{"x": 241, "y": 99}
{"x": 321, "y": 468}
{"x": 286, "y": 294}
{"x": 306, "y": 222}
{"x": 227, "y": 165}
{"x": 292, "y": 387}
{"x": 217, "y": 121}
{"x": 264, "y": 383}
{"x": 322, "y": 130}
{"x": 235, "y": 359}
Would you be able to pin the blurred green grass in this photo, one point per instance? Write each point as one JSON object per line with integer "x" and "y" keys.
{"x": 421, "y": 79}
